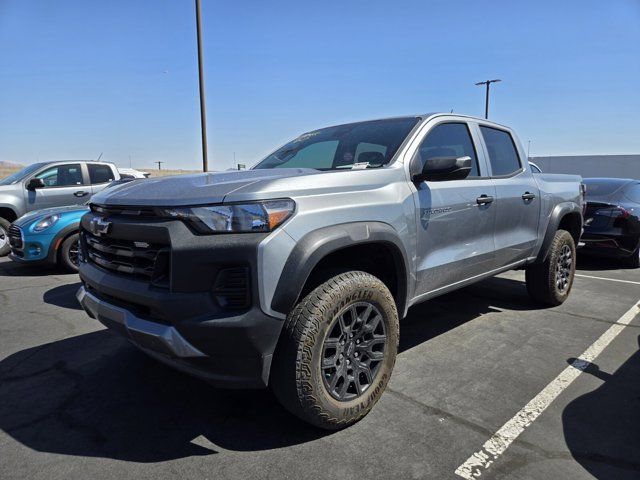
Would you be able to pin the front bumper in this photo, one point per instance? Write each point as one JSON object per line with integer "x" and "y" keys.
{"x": 183, "y": 323}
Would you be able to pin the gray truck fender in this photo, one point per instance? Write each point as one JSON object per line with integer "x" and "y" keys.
{"x": 559, "y": 211}
{"x": 315, "y": 245}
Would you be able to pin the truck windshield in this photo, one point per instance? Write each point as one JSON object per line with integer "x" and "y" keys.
{"x": 20, "y": 175}
{"x": 352, "y": 146}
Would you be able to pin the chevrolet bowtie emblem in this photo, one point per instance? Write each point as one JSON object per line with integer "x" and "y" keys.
{"x": 99, "y": 226}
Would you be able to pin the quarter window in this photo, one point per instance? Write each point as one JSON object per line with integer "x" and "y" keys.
{"x": 449, "y": 140}
{"x": 100, "y": 174}
{"x": 62, "y": 176}
{"x": 503, "y": 155}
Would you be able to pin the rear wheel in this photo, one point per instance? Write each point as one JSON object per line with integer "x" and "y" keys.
{"x": 550, "y": 282}
{"x": 5, "y": 248}
{"x": 69, "y": 253}
{"x": 337, "y": 351}
{"x": 633, "y": 261}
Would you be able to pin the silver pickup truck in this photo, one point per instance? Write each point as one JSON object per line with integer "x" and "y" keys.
{"x": 49, "y": 184}
{"x": 295, "y": 274}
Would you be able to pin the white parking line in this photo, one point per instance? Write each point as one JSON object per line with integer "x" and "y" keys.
{"x": 605, "y": 278}
{"x": 500, "y": 441}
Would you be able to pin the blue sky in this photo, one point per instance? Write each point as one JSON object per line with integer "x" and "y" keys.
{"x": 81, "y": 77}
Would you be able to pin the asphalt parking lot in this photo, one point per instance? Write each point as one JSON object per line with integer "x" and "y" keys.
{"x": 79, "y": 402}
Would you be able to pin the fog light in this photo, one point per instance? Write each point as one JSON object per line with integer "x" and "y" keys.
{"x": 35, "y": 250}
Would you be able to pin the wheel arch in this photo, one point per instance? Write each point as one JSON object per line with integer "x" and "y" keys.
{"x": 349, "y": 246}
{"x": 565, "y": 216}
{"x": 8, "y": 213}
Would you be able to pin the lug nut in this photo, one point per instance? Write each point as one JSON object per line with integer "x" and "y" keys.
{"x": 348, "y": 362}
{"x": 356, "y": 354}
{"x": 357, "y": 341}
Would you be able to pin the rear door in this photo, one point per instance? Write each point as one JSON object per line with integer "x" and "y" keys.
{"x": 100, "y": 175}
{"x": 64, "y": 184}
{"x": 518, "y": 197}
{"x": 454, "y": 228}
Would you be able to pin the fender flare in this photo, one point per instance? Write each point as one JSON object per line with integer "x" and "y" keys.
{"x": 317, "y": 244}
{"x": 557, "y": 214}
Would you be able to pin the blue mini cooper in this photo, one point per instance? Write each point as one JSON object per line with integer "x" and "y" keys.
{"x": 48, "y": 236}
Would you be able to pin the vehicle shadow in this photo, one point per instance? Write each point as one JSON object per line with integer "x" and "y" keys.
{"x": 95, "y": 395}
{"x": 592, "y": 263}
{"x": 9, "y": 268}
{"x": 602, "y": 427}
{"x": 63, "y": 296}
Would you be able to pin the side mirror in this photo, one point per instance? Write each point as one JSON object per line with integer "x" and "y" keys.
{"x": 437, "y": 169}
{"x": 35, "y": 183}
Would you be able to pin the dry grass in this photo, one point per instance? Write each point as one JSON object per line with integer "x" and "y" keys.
{"x": 5, "y": 171}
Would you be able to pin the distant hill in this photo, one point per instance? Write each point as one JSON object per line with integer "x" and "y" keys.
{"x": 4, "y": 164}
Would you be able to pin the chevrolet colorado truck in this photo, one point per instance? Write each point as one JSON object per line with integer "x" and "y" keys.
{"x": 49, "y": 184}
{"x": 294, "y": 274}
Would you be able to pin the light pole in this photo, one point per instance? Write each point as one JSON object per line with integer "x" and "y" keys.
{"x": 203, "y": 114}
{"x": 486, "y": 102}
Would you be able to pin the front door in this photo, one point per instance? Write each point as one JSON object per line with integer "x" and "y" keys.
{"x": 455, "y": 218}
{"x": 63, "y": 185}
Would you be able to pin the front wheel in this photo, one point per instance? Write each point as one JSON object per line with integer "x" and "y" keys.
{"x": 5, "y": 248}
{"x": 550, "y": 282}
{"x": 337, "y": 350}
{"x": 69, "y": 253}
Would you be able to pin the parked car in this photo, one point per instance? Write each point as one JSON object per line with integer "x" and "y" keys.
{"x": 49, "y": 184}
{"x": 294, "y": 274}
{"x": 612, "y": 219}
{"x": 132, "y": 173}
{"x": 49, "y": 236}
{"x": 535, "y": 168}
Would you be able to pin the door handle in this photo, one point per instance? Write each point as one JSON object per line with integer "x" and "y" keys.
{"x": 81, "y": 193}
{"x": 528, "y": 196}
{"x": 484, "y": 199}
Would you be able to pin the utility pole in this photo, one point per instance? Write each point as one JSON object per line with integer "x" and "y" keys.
{"x": 203, "y": 114}
{"x": 159, "y": 165}
{"x": 486, "y": 101}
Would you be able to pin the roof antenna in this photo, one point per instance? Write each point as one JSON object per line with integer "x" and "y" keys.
{"x": 99, "y": 157}
{"x": 451, "y": 111}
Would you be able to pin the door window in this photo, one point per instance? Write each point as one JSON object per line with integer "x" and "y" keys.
{"x": 503, "y": 155}
{"x": 62, "y": 176}
{"x": 449, "y": 140}
{"x": 100, "y": 174}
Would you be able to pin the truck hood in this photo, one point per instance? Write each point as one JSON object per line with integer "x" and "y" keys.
{"x": 200, "y": 189}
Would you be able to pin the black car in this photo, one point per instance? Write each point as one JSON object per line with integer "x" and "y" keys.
{"x": 612, "y": 219}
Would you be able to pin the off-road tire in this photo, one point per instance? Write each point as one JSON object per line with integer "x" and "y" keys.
{"x": 541, "y": 278}
{"x": 66, "y": 256}
{"x": 5, "y": 248}
{"x": 296, "y": 375}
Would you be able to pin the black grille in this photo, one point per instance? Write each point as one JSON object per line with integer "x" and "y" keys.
{"x": 15, "y": 237}
{"x": 137, "y": 259}
{"x": 108, "y": 211}
{"x": 231, "y": 288}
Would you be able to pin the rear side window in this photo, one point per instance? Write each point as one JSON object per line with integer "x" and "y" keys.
{"x": 502, "y": 151}
{"x": 100, "y": 174}
{"x": 449, "y": 140}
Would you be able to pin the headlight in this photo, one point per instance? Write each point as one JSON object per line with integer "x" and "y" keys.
{"x": 235, "y": 218}
{"x": 46, "y": 222}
